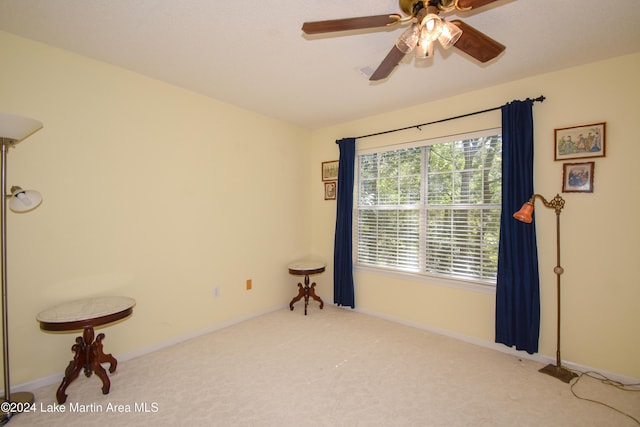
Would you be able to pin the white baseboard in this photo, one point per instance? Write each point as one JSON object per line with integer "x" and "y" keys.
{"x": 57, "y": 378}
{"x": 53, "y": 379}
{"x": 503, "y": 348}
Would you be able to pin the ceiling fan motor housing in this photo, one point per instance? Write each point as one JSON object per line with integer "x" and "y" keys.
{"x": 412, "y": 7}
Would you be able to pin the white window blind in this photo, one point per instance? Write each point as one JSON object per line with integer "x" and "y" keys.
{"x": 431, "y": 207}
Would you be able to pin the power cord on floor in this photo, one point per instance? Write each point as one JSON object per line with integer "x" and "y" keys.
{"x": 607, "y": 381}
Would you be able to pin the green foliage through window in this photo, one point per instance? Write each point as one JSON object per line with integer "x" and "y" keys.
{"x": 432, "y": 209}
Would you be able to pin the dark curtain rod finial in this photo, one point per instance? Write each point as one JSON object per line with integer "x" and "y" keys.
{"x": 541, "y": 98}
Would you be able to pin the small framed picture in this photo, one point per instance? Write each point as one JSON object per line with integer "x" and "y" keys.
{"x": 330, "y": 190}
{"x": 579, "y": 142}
{"x": 578, "y": 177}
{"x": 330, "y": 170}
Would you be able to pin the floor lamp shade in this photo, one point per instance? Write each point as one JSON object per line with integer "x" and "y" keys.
{"x": 13, "y": 129}
{"x": 24, "y": 200}
{"x": 17, "y": 128}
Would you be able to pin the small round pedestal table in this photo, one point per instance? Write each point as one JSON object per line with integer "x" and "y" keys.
{"x": 86, "y": 314}
{"x": 306, "y": 267}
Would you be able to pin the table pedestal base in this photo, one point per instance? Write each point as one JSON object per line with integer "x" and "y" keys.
{"x": 306, "y": 291}
{"x": 88, "y": 356}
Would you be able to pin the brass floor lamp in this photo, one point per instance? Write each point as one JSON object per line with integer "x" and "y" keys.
{"x": 524, "y": 215}
{"x": 13, "y": 129}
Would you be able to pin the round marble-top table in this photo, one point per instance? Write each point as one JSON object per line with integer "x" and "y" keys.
{"x": 86, "y": 314}
{"x": 306, "y": 267}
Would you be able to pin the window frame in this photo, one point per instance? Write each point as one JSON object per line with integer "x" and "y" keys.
{"x": 476, "y": 284}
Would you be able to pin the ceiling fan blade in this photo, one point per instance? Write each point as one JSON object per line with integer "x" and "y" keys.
{"x": 319, "y": 27}
{"x": 387, "y": 65}
{"x": 477, "y": 44}
{"x": 473, "y": 4}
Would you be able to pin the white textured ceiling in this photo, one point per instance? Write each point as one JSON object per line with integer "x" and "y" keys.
{"x": 253, "y": 54}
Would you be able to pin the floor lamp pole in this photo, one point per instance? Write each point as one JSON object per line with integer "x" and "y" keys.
{"x": 524, "y": 215}
{"x": 3, "y": 249}
{"x": 18, "y": 400}
{"x": 558, "y": 370}
{"x": 13, "y": 129}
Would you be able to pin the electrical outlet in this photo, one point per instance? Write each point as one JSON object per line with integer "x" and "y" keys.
{"x": 216, "y": 292}
{"x": 249, "y": 284}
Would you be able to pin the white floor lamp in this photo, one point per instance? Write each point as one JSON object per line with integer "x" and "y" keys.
{"x": 13, "y": 129}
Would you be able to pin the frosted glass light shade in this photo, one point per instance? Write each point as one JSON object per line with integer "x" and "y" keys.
{"x": 424, "y": 49}
{"x": 408, "y": 39}
{"x": 431, "y": 27}
{"x": 17, "y": 128}
{"x": 24, "y": 200}
{"x": 449, "y": 35}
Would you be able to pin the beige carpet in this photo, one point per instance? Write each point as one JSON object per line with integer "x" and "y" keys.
{"x": 334, "y": 367}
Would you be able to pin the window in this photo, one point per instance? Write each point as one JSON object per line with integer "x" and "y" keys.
{"x": 431, "y": 207}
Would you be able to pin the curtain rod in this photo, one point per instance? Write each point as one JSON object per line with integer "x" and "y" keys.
{"x": 541, "y": 98}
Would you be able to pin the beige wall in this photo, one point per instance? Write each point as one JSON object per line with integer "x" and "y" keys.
{"x": 601, "y": 290}
{"x": 150, "y": 191}
{"x": 161, "y": 194}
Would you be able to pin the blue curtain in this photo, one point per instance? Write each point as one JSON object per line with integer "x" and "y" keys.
{"x": 343, "y": 293}
{"x": 518, "y": 286}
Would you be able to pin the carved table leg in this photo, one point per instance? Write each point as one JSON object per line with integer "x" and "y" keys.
{"x": 96, "y": 357}
{"x": 297, "y": 297}
{"x": 73, "y": 370}
{"x": 88, "y": 355}
{"x": 104, "y": 358}
{"x": 312, "y": 294}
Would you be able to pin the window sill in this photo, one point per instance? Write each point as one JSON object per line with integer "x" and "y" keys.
{"x": 469, "y": 285}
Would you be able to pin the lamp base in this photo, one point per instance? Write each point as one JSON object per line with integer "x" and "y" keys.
{"x": 19, "y": 400}
{"x": 559, "y": 372}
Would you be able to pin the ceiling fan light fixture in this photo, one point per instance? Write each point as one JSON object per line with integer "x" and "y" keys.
{"x": 449, "y": 35}
{"x": 408, "y": 39}
{"x": 426, "y": 26}
{"x": 424, "y": 48}
{"x": 431, "y": 26}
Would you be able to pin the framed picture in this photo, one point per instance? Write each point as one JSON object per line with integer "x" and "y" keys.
{"x": 330, "y": 170}
{"x": 578, "y": 177}
{"x": 579, "y": 142}
{"x": 330, "y": 190}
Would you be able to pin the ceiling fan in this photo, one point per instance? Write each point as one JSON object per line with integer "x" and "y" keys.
{"x": 426, "y": 27}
